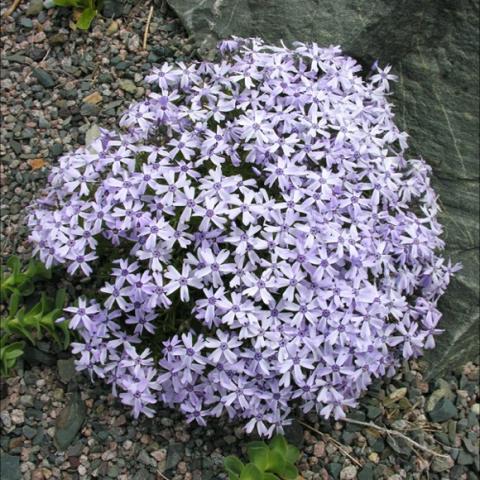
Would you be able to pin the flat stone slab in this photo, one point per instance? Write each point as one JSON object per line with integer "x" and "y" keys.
{"x": 9, "y": 467}
{"x": 433, "y": 47}
{"x": 69, "y": 421}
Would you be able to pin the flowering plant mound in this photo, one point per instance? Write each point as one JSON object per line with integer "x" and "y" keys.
{"x": 268, "y": 192}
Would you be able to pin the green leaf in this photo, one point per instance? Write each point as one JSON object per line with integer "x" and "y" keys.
{"x": 269, "y": 476}
{"x": 66, "y": 3}
{"x": 14, "y": 303}
{"x": 60, "y": 298}
{"x": 290, "y": 472}
{"x": 4, "y": 337}
{"x": 5, "y": 287}
{"x": 279, "y": 444}
{"x": 233, "y": 465}
{"x": 13, "y": 351}
{"x": 258, "y": 454}
{"x": 292, "y": 454}
{"x": 63, "y": 326}
{"x": 27, "y": 288}
{"x": 251, "y": 472}
{"x": 15, "y": 325}
{"x": 13, "y": 263}
{"x": 45, "y": 303}
{"x": 83, "y": 23}
{"x": 37, "y": 269}
{"x": 276, "y": 462}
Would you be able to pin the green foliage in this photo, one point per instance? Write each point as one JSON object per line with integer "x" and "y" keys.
{"x": 21, "y": 283}
{"x": 266, "y": 462}
{"x": 22, "y": 323}
{"x": 88, "y": 8}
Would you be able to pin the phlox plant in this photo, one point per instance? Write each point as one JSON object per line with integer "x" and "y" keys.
{"x": 269, "y": 195}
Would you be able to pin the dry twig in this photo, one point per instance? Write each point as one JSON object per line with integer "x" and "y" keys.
{"x": 394, "y": 433}
{"x": 329, "y": 438}
{"x": 12, "y": 8}
{"x": 147, "y": 28}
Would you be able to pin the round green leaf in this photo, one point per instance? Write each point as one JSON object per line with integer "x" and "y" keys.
{"x": 269, "y": 476}
{"x": 290, "y": 472}
{"x": 251, "y": 472}
{"x": 276, "y": 462}
{"x": 83, "y": 23}
{"x": 233, "y": 465}
{"x": 292, "y": 454}
{"x": 279, "y": 444}
{"x": 258, "y": 454}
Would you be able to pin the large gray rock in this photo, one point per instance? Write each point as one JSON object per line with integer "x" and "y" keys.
{"x": 9, "y": 467}
{"x": 433, "y": 46}
{"x": 69, "y": 421}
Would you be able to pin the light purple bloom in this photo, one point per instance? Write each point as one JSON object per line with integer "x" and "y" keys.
{"x": 271, "y": 193}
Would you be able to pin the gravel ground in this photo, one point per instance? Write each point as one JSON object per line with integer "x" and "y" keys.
{"x": 58, "y": 425}
{"x": 57, "y": 85}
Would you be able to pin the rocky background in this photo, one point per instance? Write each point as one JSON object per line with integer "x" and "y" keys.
{"x": 59, "y": 86}
{"x": 433, "y": 46}
{"x": 58, "y": 425}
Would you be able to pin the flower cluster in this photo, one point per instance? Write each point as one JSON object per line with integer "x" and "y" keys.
{"x": 269, "y": 193}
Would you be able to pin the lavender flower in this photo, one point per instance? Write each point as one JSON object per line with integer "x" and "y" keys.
{"x": 271, "y": 193}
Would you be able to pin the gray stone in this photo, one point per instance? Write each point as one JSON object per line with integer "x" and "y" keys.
{"x": 43, "y": 123}
{"x": 348, "y": 473}
{"x": 57, "y": 39}
{"x": 146, "y": 459}
{"x": 16, "y": 58}
{"x": 92, "y": 134}
{"x": 464, "y": 458}
{"x": 37, "y": 53}
{"x": 112, "y": 8}
{"x": 113, "y": 471}
{"x": 66, "y": 369}
{"x": 88, "y": 109}
{"x": 16, "y": 147}
{"x": 348, "y": 437}
{"x": 472, "y": 419}
{"x": 175, "y": 453}
{"x": 34, "y": 413}
{"x": 9, "y": 467}
{"x": 69, "y": 421}
{"x": 399, "y": 446}
{"x": 373, "y": 412}
{"x": 441, "y": 464}
{"x": 44, "y": 78}
{"x": 294, "y": 434}
{"x": 443, "y": 390}
{"x": 471, "y": 445}
{"x": 142, "y": 474}
{"x": 27, "y": 133}
{"x": 25, "y": 22}
{"x": 34, "y": 7}
{"x": 26, "y": 400}
{"x": 56, "y": 149}
{"x": 36, "y": 357}
{"x": 127, "y": 85}
{"x": 366, "y": 473}
{"x": 29, "y": 432}
{"x": 456, "y": 471}
{"x": 444, "y": 410}
{"x": 433, "y": 47}
{"x": 334, "y": 469}
{"x": 379, "y": 445}
{"x": 39, "y": 438}
{"x": 75, "y": 450}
